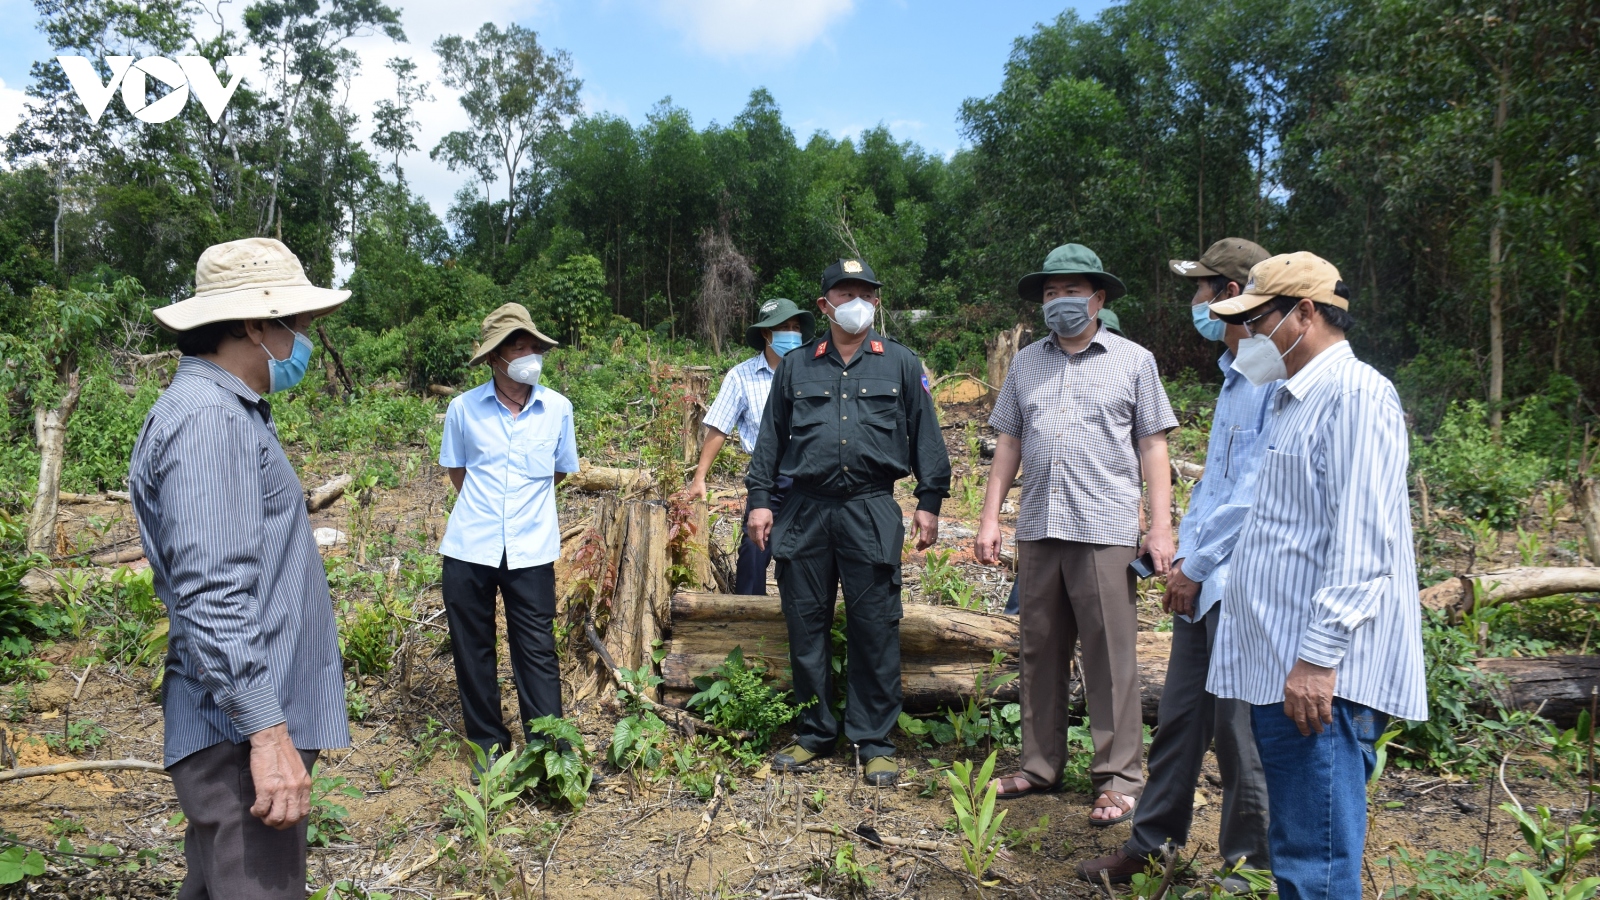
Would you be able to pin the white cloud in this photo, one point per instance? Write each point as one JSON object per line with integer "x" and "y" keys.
{"x": 729, "y": 28}
{"x": 10, "y": 108}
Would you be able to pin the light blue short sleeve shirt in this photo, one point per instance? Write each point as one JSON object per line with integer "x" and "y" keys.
{"x": 507, "y": 505}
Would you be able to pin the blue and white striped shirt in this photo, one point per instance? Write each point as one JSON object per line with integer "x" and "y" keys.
{"x": 741, "y": 401}
{"x": 1324, "y": 569}
{"x": 1222, "y": 499}
{"x": 222, "y": 516}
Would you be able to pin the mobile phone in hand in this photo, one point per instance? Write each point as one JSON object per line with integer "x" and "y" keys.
{"x": 1144, "y": 566}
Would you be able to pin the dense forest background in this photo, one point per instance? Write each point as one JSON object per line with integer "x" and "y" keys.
{"x": 1444, "y": 154}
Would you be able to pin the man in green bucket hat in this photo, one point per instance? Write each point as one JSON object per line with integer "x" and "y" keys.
{"x": 1085, "y": 416}
{"x": 783, "y": 326}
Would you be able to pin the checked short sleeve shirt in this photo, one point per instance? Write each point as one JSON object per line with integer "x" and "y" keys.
{"x": 1079, "y": 418}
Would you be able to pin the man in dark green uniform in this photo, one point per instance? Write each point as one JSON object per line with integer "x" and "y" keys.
{"x": 847, "y": 417}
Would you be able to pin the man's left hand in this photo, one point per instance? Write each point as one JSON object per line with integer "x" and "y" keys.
{"x": 1161, "y": 549}
{"x": 1181, "y": 592}
{"x": 927, "y": 525}
{"x": 1308, "y": 696}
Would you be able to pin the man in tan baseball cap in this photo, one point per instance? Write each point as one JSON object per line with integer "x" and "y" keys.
{"x": 254, "y": 685}
{"x": 1322, "y": 634}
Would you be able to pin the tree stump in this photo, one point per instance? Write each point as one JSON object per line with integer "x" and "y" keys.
{"x": 1001, "y": 349}
{"x": 50, "y": 429}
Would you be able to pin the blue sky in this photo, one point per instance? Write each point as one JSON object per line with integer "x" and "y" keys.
{"x": 838, "y": 66}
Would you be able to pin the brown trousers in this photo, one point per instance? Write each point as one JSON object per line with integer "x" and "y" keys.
{"x": 1075, "y": 592}
{"x": 230, "y": 854}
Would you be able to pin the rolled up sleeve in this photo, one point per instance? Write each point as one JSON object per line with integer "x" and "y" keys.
{"x": 1365, "y": 452}
{"x": 212, "y": 474}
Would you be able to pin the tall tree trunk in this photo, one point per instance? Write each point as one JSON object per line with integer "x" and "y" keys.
{"x": 50, "y": 429}
{"x": 1497, "y": 340}
{"x": 60, "y": 208}
{"x": 1200, "y": 193}
{"x": 1561, "y": 314}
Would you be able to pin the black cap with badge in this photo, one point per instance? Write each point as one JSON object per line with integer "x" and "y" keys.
{"x": 848, "y": 270}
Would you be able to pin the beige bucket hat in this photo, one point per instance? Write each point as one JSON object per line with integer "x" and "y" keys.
{"x": 254, "y": 278}
{"x": 501, "y": 324}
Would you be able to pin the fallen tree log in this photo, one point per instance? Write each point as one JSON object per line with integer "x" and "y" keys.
{"x": 600, "y": 478}
{"x": 1561, "y": 684}
{"x": 118, "y": 555}
{"x": 1459, "y": 594}
{"x": 41, "y": 584}
{"x": 324, "y": 497}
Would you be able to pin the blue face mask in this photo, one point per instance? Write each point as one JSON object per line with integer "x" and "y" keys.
{"x": 1209, "y": 328}
{"x": 286, "y": 373}
{"x": 784, "y": 341}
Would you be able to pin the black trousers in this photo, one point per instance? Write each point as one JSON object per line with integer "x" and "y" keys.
{"x": 229, "y": 852}
{"x": 750, "y": 576}
{"x": 530, "y": 600}
{"x": 823, "y": 545}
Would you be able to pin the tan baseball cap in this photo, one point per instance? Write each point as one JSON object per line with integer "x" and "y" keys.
{"x": 253, "y": 278}
{"x": 1304, "y": 275}
{"x": 503, "y": 323}
{"x": 1230, "y": 257}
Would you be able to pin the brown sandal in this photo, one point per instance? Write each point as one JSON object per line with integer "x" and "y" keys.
{"x": 1010, "y": 787}
{"x": 1108, "y": 800}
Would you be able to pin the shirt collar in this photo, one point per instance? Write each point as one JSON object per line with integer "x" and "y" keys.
{"x": 864, "y": 349}
{"x": 1099, "y": 340}
{"x": 761, "y": 362}
{"x": 534, "y": 399}
{"x": 205, "y": 368}
{"x": 1306, "y": 379}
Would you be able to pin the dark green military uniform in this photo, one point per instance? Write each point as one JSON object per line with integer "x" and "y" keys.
{"x": 845, "y": 433}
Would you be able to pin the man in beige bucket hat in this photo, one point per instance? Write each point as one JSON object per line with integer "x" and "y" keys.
{"x": 507, "y": 443}
{"x": 254, "y": 686}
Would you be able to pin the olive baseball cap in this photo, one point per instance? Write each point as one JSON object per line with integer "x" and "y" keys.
{"x": 775, "y": 313}
{"x": 503, "y": 323}
{"x": 1230, "y": 257}
{"x": 1304, "y": 275}
{"x": 848, "y": 270}
{"x": 1070, "y": 259}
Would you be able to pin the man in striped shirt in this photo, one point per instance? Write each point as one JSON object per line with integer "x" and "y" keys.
{"x": 253, "y": 683}
{"x": 783, "y": 326}
{"x": 1321, "y": 627}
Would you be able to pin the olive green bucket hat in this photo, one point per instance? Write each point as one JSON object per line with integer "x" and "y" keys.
{"x": 1071, "y": 259}
{"x": 509, "y": 319}
{"x": 774, "y": 313}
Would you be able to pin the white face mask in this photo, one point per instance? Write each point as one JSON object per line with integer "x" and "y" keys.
{"x": 1258, "y": 358}
{"x": 854, "y": 316}
{"x": 526, "y": 369}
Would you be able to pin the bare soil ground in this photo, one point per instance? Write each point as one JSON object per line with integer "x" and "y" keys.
{"x": 759, "y": 838}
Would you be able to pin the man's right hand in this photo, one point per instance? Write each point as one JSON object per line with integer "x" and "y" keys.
{"x": 1181, "y": 592}
{"x": 283, "y": 786}
{"x": 759, "y": 527}
{"x": 988, "y": 542}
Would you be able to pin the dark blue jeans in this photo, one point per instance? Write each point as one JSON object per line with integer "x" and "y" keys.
{"x": 1317, "y": 798}
{"x": 750, "y": 574}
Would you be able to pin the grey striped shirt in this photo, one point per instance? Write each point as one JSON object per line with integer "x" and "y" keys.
{"x": 1324, "y": 569}
{"x": 222, "y": 516}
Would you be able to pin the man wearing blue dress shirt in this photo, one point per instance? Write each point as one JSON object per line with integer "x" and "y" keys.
{"x": 1190, "y": 718}
{"x": 507, "y": 444}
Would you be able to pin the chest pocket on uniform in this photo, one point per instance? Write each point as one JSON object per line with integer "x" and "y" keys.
{"x": 538, "y": 456}
{"x": 1240, "y": 451}
{"x": 813, "y": 405}
{"x": 877, "y": 403}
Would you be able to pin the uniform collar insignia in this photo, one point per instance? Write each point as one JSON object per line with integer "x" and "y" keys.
{"x": 822, "y": 347}
{"x": 877, "y": 347}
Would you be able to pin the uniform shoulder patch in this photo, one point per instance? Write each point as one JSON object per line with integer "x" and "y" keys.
{"x": 877, "y": 347}
{"x": 822, "y": 347}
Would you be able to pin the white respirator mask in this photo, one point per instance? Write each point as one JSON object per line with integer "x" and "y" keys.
{"x": 526, "y": 369}
{"x": 854, "y": 316}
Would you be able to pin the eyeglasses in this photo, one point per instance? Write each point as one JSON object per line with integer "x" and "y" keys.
{"x": 1250, "y": 324}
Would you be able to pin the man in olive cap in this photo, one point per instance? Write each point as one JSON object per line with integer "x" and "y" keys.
{"x": 1085, "y": 415}
{"x": 507, "y": 443}
{"x": 1190, "y": 716}
{"x": 848, "y": 417}
{"x": 254, "y": 686}
{"x": 739, "y": 405}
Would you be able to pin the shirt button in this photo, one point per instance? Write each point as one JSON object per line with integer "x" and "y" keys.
{"x": 844, "y": 442}
{"x": 847, "y": 468}
{"x": 846, "y": 374}
{"x": 846, "y": 418}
